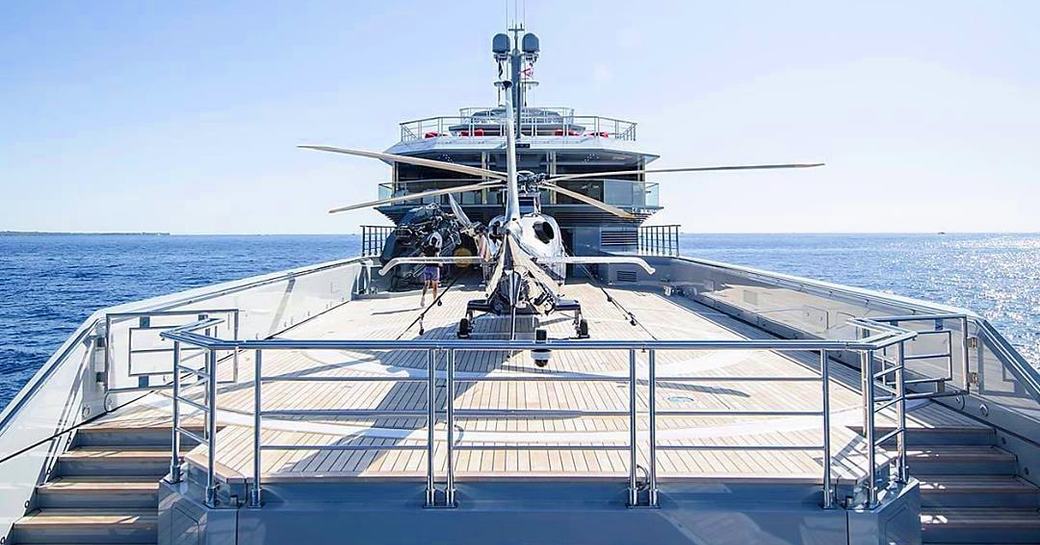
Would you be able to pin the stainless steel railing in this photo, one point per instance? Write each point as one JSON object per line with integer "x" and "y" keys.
{"x": 949, "y": 355}
{"x": 373, "y": 237}
{"x": 884, "y": 336}
{"x": 207, "y": 376}
{"x": 998, "y": 384}
{"x": 622, "y": 193}
{"x": 870, "y": 381}
{"x": 147, "y": 321}
{"x": 659, "y": 240}
{"x": 570, "y": 126}
{"x": 74, "y": 386}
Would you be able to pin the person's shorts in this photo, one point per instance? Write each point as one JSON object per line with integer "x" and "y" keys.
{"x": 431, "y": 274}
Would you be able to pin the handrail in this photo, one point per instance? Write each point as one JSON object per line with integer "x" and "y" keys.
{"x": 581, "y": 126}
{"x": 658, "y": 239}
{"x": 887, "y": 335}
{"x": 209, "y": 406}
{"x": 29, "y": 390}
{"x": 1008, "y": 356}
{"x": 831, "y": 289}
{"x": 210, "y": 343}
{"x": 232, "y": 287}
{"x": 88, "y": 336}
{"x": 1027, "y": 374}
{"x": 939, "y": 319}
{"x": 869, "y": 383}
{"x": 401, "y": 188}
{"x": 112, "y": 318}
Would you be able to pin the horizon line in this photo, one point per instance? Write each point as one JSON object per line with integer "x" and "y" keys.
{"x": 358, "y": 233}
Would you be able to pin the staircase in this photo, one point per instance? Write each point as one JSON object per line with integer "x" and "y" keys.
{"x": 104, "y": 490}
{"x": 970, "y": 493}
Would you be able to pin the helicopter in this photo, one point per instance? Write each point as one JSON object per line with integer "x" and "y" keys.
{"x": 530, "y": 262}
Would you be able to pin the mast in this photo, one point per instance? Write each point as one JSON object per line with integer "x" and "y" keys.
{"x": 513, "y": 53}
{"x": 515, "y": 66}
{"x": 523, "y": 47}
{"x": 512, "y": 189}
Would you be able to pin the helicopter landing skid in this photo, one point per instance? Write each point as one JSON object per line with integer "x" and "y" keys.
{"x": 483, "y": 306}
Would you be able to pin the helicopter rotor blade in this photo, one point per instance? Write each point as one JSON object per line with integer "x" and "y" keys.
{"x": 686, "y": 169}
{"x": 443, "y": 165}
{"x": 460, "y": 214}
{"x": 588, "y": 200}
{"x": 415, "y": 196}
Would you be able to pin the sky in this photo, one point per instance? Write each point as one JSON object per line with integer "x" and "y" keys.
{"x": 184, "y": 117}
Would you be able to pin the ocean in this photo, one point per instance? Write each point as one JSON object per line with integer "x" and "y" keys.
{"x": 51, "y": 283}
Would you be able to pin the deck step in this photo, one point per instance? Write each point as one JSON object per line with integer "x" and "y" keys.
{"x": 99, "y": 491}
{"x": 110, "y": 435}
{"x": 1002, "y": 491}
{"x": 87, "y": 526}
{"x": 960, "y": 459}
{"x": 115, "y": 461}
{"x": 947, "y": 435}
{"x": 980, "y": 525}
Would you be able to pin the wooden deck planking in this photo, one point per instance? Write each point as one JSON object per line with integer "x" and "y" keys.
{"x": 663, "y": 317}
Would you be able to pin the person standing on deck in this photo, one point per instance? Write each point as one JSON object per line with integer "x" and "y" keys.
{"x": 431, "y": 271}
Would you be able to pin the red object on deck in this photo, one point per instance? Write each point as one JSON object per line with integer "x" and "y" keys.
{"x": 478, "y": 132}
{"x": 431, "y": 134}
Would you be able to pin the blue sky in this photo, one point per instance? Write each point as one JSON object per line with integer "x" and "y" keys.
{"x": 184, "y": 116}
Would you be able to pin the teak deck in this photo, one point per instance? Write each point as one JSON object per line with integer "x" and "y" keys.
{"x": 515, "y": 439}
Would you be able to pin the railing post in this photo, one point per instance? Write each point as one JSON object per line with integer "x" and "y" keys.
{"x": 108, "y": 352}
{"x": 633, "y": 491}
{"x": 254, "y": 496}
{"x": 901, "y": 469}
{"x": 431, "y": 422}
{"x": 652, "y": 400}
{"x": 449, "y": 395}
{"x": 980, "y": 356}
{"x": 867, "y": 366}
{"x": 175, "y": 438}
{"x": 211, "y": 429}
{"x": 966, "y": 366}
{"x": 234, "y": 376}
{"x": 825, "y": 393}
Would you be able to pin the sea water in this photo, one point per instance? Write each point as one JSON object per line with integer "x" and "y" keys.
{"x": 49, "y": 284}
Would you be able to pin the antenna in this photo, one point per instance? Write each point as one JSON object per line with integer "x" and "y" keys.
{"x": 516, "y": 50}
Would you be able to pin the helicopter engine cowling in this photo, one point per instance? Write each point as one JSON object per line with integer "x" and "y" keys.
{"x": 540, "y": 237}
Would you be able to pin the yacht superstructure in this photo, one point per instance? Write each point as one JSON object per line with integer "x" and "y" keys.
{"x": 709, "y": 403}
{"x": 552, "y": 141}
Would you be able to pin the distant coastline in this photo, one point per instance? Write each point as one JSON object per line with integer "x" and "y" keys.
{"x": 61, "y": 233}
